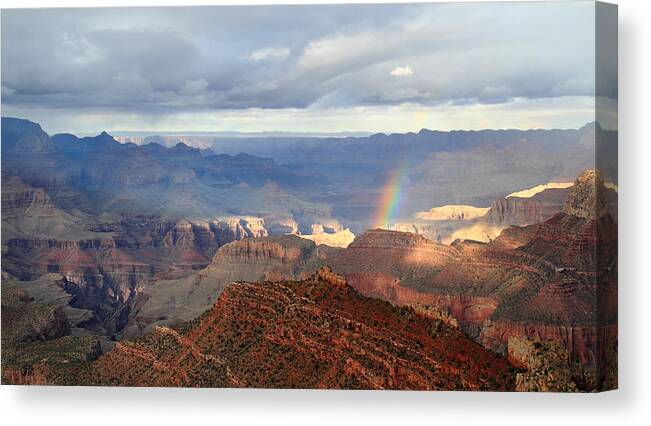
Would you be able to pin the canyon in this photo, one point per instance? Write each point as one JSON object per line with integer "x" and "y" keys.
{"x": 184, "y": 267}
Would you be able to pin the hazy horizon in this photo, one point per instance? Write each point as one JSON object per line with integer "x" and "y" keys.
{"x": 277, "y": 133}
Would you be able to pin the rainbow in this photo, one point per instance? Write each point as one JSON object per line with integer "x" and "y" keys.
{"x": 390, "y": 197}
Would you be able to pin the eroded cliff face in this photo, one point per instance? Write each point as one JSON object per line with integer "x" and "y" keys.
{"x": 171, "y": 300}
{"x": 469, "y": 311}
{"x": 525, "y": 211}
{"x": 106, "y": 273}
{"x": 18, "y": 198}
{"x": 206, "y": 236}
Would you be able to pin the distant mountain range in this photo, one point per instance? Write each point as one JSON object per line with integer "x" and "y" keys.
{"x": 139, "y": 137}
{"x": 101, "y": 176}
{"x": 436, "y": 168}
{"x": 281, "y": 179}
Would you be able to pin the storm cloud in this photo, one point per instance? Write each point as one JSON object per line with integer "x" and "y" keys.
{"x": 166, "y": 61}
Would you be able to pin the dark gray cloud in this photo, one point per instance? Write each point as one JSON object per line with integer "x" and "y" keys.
{"x": 161, "y": 60}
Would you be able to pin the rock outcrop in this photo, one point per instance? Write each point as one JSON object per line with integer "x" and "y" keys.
{"x": 588, "y": 199}
{"x": 547, "y": 366}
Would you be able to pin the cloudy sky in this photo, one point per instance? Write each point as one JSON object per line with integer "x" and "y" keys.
{"x": 301, "y": 68}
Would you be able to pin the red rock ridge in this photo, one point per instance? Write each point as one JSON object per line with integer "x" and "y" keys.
{"x": 307, "y": 334}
